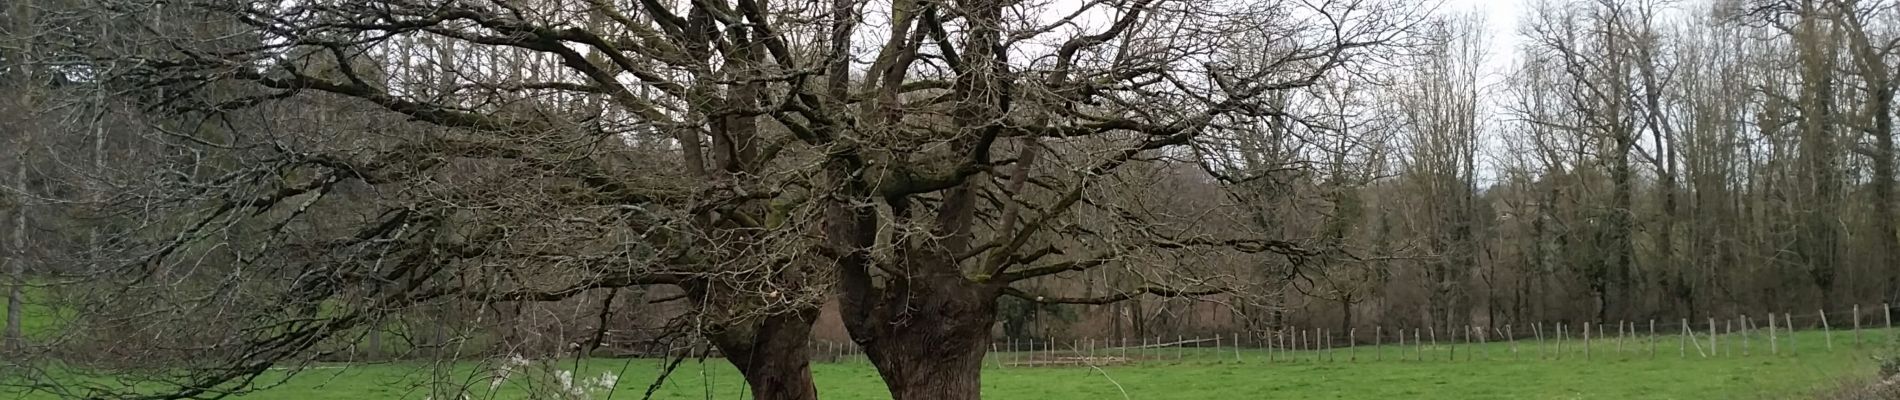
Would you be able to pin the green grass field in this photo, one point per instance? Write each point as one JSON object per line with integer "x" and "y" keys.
{"x": 1210, "y": 374}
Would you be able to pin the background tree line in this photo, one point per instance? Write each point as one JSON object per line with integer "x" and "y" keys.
{"x": 1636, "y": 160}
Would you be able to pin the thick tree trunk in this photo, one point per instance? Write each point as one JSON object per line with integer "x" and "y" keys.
{"x": 933, "y": 349}
{"x": 774, "y": 357}
{"x": 925, "y": 370}
{"x": 931, "y": 344}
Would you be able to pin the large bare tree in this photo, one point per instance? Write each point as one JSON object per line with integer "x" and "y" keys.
{"x": 920, "y": 157}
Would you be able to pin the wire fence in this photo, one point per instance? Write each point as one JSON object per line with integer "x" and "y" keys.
{"x": 1740, "y": 335}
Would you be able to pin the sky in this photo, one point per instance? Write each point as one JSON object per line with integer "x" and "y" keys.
{"x": 1500, "y": 16}
{"x": 1500, "y": 19}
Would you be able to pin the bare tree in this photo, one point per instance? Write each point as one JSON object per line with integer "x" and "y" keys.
{"x": 533, "y": 151}
{"x": 1439, "y": 106}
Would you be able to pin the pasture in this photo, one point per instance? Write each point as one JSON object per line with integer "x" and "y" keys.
{"x": 1487, "y": 371}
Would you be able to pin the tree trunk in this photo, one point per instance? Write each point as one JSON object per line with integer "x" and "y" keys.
{"x": 1819, "y": 237}
{"x": 1345, "y": 312}
{"x": 923, "y": 370}
{"x": 1887, "y": 235}
{"x": 13, "y": 337}
{"x": 774, "y": 357}
{"x": 933, "y": 347}
{"x": 1137, "y": 325}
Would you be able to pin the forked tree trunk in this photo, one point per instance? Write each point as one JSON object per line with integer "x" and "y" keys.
{"x": 774, "y": 357}
{"x": 931, "y": 347}
{"x": 952, "y": 370}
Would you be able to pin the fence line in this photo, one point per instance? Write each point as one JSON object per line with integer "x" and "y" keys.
{"x": 1291, "y": 345}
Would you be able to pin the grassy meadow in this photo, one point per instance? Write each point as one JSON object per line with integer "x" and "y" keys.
{"x": 1483, "y": 372}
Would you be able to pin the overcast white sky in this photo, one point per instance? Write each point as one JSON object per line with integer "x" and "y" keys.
{"x": 1500, "y": 18}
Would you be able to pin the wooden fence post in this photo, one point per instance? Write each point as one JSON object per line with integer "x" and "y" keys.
{"x": 1486, "y": 350}
{"x": 1217, "y": 351}
{"x": 1472, "y": 350}
{"x": 1600, "y": 334}
{"x": 1728, "y": 329}
{"x": 1827, "y": 332}
{"x": 1789, "y": 323}
{"x": 1277, "y": 345}
{"x": 1586, "y": 339}
{"x": 1418, "y": 351}
{"x": 1747, "y": 334}
{"x": 1322, "y": 345}
{"x": 998, "y": 356}
{"x": 1286, "y": 345}
{"x": 1378, "y": 343}
{"x": 1180, "y": 347}
{"x": 1352, "y": 347}
{"x": 1237, "y": 348}
{"x": 1619, "y": 336}
{"x": 1271, "y": 343}
{"x": 1319, "y": 344}
{"x": 1290, "y": 349}
{"x": 1332, "y": 347}
{"x": 1629, "y": 338}
{"x": 1543, "y": 349}
{"x": 1856, "y": 326}
{"x": 1305, "y": 344}
{"x": 1682, "y": 347}
{"x": 1451, "y": 341}
{"x": 1713, "y": 347}
{"x": 1559, "y": 353}
{"x": 1652, "y": 338}
{"x": 1513, "y": 339}
{"x": 1774, "y": 343}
